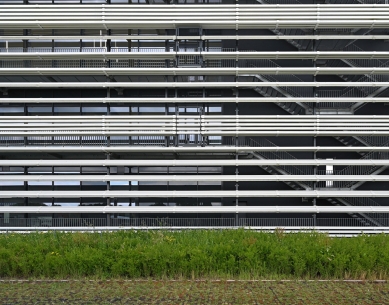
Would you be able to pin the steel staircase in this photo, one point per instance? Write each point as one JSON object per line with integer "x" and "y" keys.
{"x": 368, "y": 219}
{"x": 354, "y": 141}
{"x": 361, "y": 91}
{"x": 283, "y": 170}
{"x": 360, "y": 170}
{"x": 304, "y": 45}
{"x": 371, "y": 219}
{"x": 292, "y": 108}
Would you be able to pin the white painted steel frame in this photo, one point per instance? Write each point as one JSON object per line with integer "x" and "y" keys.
{"x": 194, "y": 71}
{"x": 202, "y": 37}
{"x": 70, "y": 177}
{"x": 122, "y": 125}
{"x": 187, "y": 84}
{"x": 142, "y": 131}
{"x": 189, "y": 149}
{"x": 201, "y": 162}
{"x": 196, "y": 209}
{"x": 198, "y": 100}
{"x": 65, "y": 118}
{"x": 133, "y": 54}
{"x": 209, "y": 17}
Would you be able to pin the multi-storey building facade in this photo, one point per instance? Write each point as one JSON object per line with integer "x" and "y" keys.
{"x": 194, "y": 113}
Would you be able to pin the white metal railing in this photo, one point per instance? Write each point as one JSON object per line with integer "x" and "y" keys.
{"x": 194, "y": 209}
{"x": 104, "y": 38}
{"x": 164, "y": 222}
{"x": 168, "y": 125}
{"x": 367, "y": 58}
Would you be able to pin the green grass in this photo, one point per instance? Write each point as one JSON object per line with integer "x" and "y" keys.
{"x": 192, "y": 292}
{"x": 221, "y": 254}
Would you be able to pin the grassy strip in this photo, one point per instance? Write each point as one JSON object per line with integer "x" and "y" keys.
{"x": 196, "y": 293}
{"x": 193, "y": 254}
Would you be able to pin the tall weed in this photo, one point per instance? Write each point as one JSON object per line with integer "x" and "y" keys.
{"x": 193, "y": 254}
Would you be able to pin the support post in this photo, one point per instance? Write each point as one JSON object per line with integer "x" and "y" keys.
{"x": 314, "y": 91}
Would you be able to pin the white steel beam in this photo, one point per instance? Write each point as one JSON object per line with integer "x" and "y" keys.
{"x": 194, "y": 71}
{"x": 209, "y": 17}
{"x": 188, "y": 149}
{"x": 204, "y": 124}
{"x": 372, "y": 178}
{"x": 195, "y": 209}
{"x": 202, "y": 37}
{"x": 198, "y": 100}
{"x": 218, "y": 117}
{"x": 123, "y": 53}
{"x": 191, "y": 130}
{"x": 216, "y": 162}
{"x": 186, "y": 84}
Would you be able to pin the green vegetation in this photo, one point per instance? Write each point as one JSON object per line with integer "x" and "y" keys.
{"x": 194, "y": 293}
{"x": 221, "y": 254}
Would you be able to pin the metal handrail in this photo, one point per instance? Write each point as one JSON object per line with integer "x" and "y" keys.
{"x": 163, "y": 222}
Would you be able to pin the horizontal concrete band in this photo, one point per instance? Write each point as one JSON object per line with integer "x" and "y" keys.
{"x": 216, "y": 162}
{"x": 194, "y": 209}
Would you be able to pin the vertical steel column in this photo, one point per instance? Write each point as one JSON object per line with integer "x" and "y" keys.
{"x": 167, "y": 65}
{"x": 81, "y": 45}
{"x": 236, "y": 136}
{"x": 108, "y": 95}
{"x": 25, "y": 184}
{"x": 129, "y": 48}
{"x": 108, "y": 155}
{"x": 25, "y": 112}
{"x": 52, "y": 113}
{"x": 202, "y": 109}
{"x": 176, "y": 49}
{"x": 314, "y": 91}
